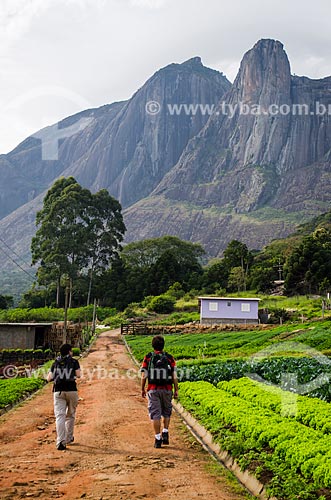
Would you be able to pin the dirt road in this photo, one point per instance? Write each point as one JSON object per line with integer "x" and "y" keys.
{"x": 113, "y": 455}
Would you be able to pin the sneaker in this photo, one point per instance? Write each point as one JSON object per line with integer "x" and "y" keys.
{"x": 157, "y": 443}
{"x": 165, "y": 437}
{"x": 61, "y": 446}
{"x": 71, "y": 440}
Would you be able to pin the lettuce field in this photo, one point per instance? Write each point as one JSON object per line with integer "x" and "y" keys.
{"x": 265, "y": 397}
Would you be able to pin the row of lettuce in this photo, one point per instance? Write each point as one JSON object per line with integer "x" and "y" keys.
{"x": 25, "y": 355}
{"x": 13, "y": 390}
{"x": 284, "y": 438}
{"x": 303, "y": 375}
{"x": 233, "y": 344}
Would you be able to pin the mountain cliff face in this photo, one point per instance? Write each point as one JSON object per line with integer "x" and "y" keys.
{"x": 138, "y": 148}
{"x": 121, "y": 147}
{"x": 251, "y": 153}
{"x": 260, "y": 164}
{"x": 25, "y": 174}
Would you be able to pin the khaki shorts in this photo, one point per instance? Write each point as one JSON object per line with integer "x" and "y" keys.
{"x": 159, "y": 404}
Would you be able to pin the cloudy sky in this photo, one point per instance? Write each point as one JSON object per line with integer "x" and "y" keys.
{"x": 58, "y": 57}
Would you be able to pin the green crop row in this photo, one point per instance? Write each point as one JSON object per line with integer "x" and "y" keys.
{"x": 13, "y": 355}
{"x": 12, "y": 390}
{"x": 273, "y": 370}
{"x": 297, "y": 458}
{"x": 309, "y": 411}
{"x": 202, "y": 346}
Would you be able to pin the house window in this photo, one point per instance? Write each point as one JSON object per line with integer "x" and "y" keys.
{"x": 245, "y": 307}
{"x": 229, "y": 303}
{"x": 213, "y": 306}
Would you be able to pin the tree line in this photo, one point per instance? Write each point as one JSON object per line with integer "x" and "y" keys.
{"x": 78, "y": 252}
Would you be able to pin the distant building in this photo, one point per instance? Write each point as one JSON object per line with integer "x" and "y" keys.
{"x": 228, "y": 310}
{"x": 23, "y": 335}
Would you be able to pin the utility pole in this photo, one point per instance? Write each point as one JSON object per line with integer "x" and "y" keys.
{"x": 64, "y": 338}
{"x": 280, "y": 269}
{"x": 89, "y": 288}
{"x": 94, "y": 315}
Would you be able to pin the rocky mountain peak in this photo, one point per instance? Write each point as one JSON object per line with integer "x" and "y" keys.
{"x": 194, "y": 62}
{"x": 264, "y": 70}
{"x": 193, "y": 66}
{"x": 258, "y": 142}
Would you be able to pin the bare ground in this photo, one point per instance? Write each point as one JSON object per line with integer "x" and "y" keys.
{"x": 113, "y": 455}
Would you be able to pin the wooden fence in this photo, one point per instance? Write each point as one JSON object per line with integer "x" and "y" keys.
{"x": 148, "y": 329}
{"x": 144, "y": 329}
{"x": 134, "y": 329}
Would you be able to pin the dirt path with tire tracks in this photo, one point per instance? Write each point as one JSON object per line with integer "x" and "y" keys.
{"x": 113, "y": 455}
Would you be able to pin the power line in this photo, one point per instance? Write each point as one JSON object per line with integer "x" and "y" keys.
{"x": 17, "y": 264}
{"x": 13, "y": 251}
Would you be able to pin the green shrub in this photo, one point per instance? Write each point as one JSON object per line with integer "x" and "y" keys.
{"x": 179, "y": 318}
{"x": 50, "y": 314}
{"x": 76, "y": 351}
{"x": 176, "y": 290}
{"x": 82, "y": 314}
{"x": 192, "y": 294}
{"x": 130, "y": 311}
{"x": 115, "y": 321}
{"x": 147, "y": 300}
{"x": 162, "y": 304}
{"x": 44, "y": 314}
{"x": 277, "y": 315}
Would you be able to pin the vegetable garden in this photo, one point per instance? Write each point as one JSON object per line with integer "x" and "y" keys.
{"x": 282, "y": 437}
{"x": 292, "y": 458}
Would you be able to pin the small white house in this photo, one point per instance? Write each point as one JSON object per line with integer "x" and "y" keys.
{"x": 228, "y": 310}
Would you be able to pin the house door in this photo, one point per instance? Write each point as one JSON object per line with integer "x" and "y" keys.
{"x": 39, "y": 337}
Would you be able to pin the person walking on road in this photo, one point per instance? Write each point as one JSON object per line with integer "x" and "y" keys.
{"x": 159, "y": 371}
{"x": 64, "y": 372}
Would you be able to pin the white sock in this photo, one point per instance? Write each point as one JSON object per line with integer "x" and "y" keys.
{"x": 158, "y": 436}
{"x": 165, "y": 430}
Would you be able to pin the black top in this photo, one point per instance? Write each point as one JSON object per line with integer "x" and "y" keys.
{"x": 63, "y": 370}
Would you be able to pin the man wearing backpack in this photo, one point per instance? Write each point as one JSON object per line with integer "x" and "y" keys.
{"x": 63, "y": 373}
{"x": 158, "y": 368}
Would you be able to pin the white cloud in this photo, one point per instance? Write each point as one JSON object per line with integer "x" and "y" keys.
{"x": 149, "y": 4}
{"x": 16, "y": 16}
